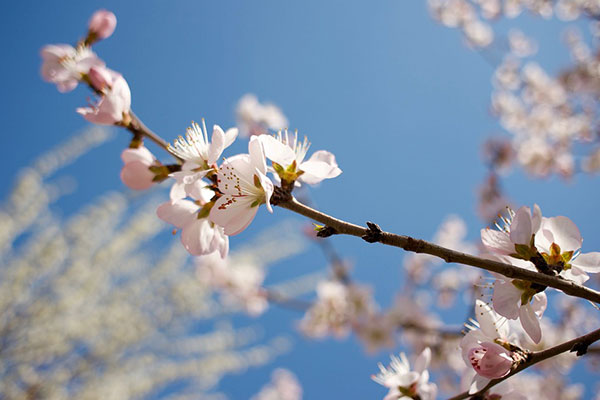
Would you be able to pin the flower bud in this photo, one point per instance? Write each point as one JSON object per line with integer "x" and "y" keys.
{"x": 102, "y": 24}
{"x": 490, "y": 360}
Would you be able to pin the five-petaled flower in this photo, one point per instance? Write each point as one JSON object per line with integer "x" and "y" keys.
{"x": 243, "y": 181}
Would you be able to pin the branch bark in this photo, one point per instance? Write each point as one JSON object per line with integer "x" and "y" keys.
{"x": 373, "y": 234}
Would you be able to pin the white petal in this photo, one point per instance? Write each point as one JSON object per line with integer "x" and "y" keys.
{"x": 257, "y": 155}
{"x": 539, "y": 304}
{"x": 520, "y": 228}
{"x": 178, "y": 213}
{"x": 487, "y": 319}
{"x": 589, "y": 262}
{"x": 536, "y": 219}
{"x": 197, "y": 237}
{"x": 497, "y": 242}
{"x": 321, "y": 165}
{"x": 565, "y": 233}
{"x": 530, "y": 322}
{"x": 506, "y": 299}
{"x": 233, "y": 214}
{"x": 277, "y": 151}
{"x": 230, "y": 136}
{"x": 217, "y": 145}
{"x": 422, "y": 362}
{"x": 478, "y": 383}
{"x": 177, "y": 191}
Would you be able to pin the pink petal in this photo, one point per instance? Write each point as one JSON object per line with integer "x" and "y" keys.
{"x": 139, "y": 154}
{"x": 137, "y": 176}
{"x": 103, "y": 23}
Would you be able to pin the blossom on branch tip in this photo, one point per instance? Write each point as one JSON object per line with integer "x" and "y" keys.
{"x": 102, "y": 24}
{"x": 114, "y": 101}
{"x": 65, "y": 65}
{"x": 245, "y": 186}
{"x": 405, "y": 383}
{"x": 287, "y": 155}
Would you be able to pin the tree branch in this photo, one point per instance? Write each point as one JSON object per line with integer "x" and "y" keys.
{"x": 374, "y": 234}
{"x": 578, "y": 344}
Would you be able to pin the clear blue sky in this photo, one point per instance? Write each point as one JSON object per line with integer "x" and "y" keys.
{"x": 399, "y": 99}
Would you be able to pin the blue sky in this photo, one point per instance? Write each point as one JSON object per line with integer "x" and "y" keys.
{"x": 399, "y": 99}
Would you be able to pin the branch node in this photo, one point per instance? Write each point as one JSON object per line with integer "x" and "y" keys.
{"x": 326, "y": 231}
{"x": 374, "y": 233}
{"x": 580, "y": 348}
{"x": 280, "y": 195}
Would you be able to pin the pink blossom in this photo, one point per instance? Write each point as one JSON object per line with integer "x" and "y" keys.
{"x": 199, "y": 235}
{"x": 115, "y": 101}
{"x": 490, "y": 360}
{"x": 199, "y": 154}
{"x": 515, "y": 299}
{"x": 560, "y": 241}
{"x": 102, "y": 24}
{"x": 245, "y": 187}
{"x": 135, "y": 173}
{"x": 518, "y": 229}
{"x": 255, "y": 118}
{"x": 289, "y": 153}
{"x": 480, "y": 348}
{"x": 65, "y": 65}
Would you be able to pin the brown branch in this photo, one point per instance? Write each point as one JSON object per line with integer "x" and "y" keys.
{"x": 138, "y": 128}
{"x": 578, "y": 344}
{"x": 374, "y": 234}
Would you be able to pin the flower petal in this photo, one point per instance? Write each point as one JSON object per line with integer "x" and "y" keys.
{"x": 588, "y": 262}
{"x": 506, "y": 299}
{"x": 530, "y": 322}
{"x": 521, "y": 227}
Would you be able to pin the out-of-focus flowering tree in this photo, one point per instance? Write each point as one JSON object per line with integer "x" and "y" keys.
{"x": 89, "y": 310}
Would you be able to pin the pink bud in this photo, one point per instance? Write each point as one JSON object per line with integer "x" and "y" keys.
{"x": 490, "y": 360}
{"x": 102, "y": 24}
{"x": 135, "y": 173}
{"x": 100, "y": 77}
